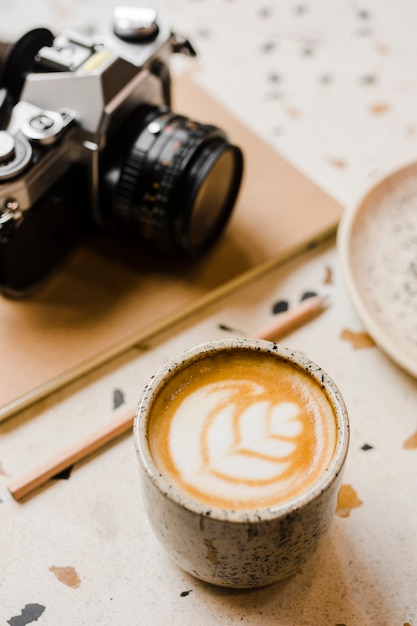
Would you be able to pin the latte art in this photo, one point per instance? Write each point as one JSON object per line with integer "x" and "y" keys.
{"x": 242, "y": 431}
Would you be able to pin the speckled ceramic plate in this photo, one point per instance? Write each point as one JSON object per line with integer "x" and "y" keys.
{"x": 377, "y": 241}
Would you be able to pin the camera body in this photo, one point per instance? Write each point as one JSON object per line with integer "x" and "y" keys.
{"x": 88, "y": 140}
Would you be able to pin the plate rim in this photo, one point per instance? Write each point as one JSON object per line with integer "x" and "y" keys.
{"x": 344, "y": 238}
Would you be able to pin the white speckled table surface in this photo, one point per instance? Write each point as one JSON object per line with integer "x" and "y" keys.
{"x": 332, "y": 85}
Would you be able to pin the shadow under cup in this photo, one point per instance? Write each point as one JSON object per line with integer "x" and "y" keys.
{"x": 234, "y": 546}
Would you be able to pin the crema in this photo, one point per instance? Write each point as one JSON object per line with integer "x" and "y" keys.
{"x": 242, "y": 430}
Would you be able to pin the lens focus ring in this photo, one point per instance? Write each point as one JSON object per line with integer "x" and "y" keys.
{"x": 152, "y": 186}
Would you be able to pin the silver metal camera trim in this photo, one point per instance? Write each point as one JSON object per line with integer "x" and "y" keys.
{"x": 102, "y": 94}
{"x": 20, "y": 158}
{"x": 96, "y": 94}
{"x": 7, "y": 146}
{"x": 135, "y": 23}
{"x": 48, "y": 135}
{"x": 38, "y": 179}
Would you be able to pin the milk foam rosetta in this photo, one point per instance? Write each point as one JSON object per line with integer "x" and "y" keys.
{"x": 242, "y": 430}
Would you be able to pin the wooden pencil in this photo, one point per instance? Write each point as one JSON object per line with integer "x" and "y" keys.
{"x": 292, "y": 318}
{"x": 80, "y": 450}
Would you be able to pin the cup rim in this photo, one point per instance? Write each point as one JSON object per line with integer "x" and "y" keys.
{"x": 262, "y": 513}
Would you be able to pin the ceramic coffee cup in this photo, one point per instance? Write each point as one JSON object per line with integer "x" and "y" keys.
{"x": 241, "y": 445}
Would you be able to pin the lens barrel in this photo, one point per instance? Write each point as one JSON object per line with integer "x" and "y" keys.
{"x": 170, "y": 181}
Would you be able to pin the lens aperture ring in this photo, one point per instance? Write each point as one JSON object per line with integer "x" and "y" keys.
{"x": 130, "y": 175}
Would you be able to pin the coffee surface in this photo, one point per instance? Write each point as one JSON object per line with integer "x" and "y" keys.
{"x": 242, "y": 430}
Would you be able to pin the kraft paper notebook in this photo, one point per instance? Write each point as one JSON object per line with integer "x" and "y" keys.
{"x": 107, "y": 297}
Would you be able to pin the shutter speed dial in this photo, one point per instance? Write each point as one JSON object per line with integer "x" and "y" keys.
{"x": 7, "y": 146}
{"x": 15, "y": 154}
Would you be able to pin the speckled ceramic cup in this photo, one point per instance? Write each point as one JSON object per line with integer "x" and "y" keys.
{"x": 241, "y": 534}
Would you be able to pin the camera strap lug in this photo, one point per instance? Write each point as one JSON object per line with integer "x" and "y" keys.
{"x": 10, "y": 218}
{"x": 183, "y": 45}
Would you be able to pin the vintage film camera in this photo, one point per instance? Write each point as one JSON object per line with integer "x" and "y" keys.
{"x": 88, "y": 141}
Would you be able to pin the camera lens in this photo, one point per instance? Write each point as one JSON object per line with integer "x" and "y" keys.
{"x": 170, "y": 181}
